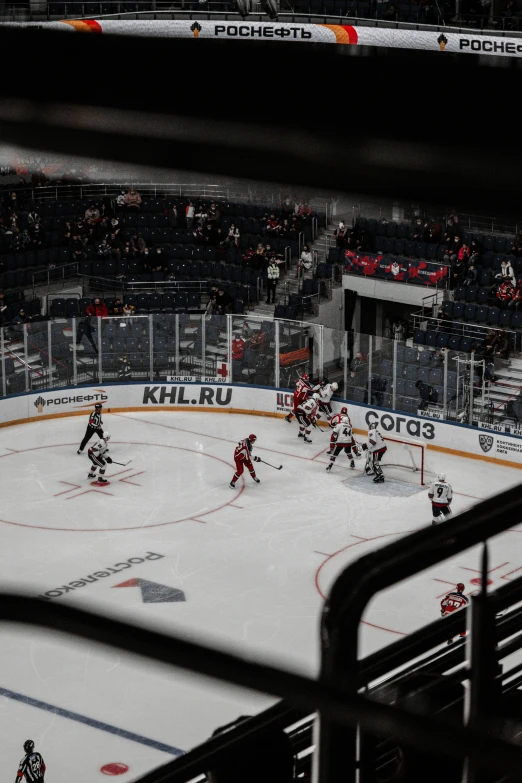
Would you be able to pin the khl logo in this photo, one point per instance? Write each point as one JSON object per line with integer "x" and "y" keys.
{"x": 486, "y": 442}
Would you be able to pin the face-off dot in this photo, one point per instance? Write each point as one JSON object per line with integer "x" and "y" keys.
{"x": 114, "y": 768}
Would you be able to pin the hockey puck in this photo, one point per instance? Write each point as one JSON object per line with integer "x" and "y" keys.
{"x": 97, "y": 484}
{"x": 115, "y": 768}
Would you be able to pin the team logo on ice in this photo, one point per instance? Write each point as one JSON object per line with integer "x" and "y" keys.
{"x": 39, "y": 404}
{"x": 486, "y": 442}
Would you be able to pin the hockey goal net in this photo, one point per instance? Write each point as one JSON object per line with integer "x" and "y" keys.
{"x": 408, "y": 454}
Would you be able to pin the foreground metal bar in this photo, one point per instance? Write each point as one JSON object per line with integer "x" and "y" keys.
{"x": 360, "y": 581}
{"x": 348, "y": 710}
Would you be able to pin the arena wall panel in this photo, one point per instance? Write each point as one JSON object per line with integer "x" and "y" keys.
{"x": 447, "y": 437}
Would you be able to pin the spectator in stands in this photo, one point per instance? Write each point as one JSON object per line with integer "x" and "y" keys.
{"x": 92, "y": 212}
{"x": 173, "y": 216}
{"x": 471, "y": 276}
{"x": 211, "y": 304}
{"x": 502, "y": 345}
{"x": 214, "y": 214}
{"x": 128, "y": 310}
{"x": 84, "y": 329}
{"x": 434, "y": 232}
{"x": 490, "y": 344}
{"x": 516, "y": 247}
{"x": 238, "y": 347}
{"x": 457, "y": 273}
{"x": 25, "y": 239}
{"x": 233, "y": 236}
{"x": 104, "y": 249}
{"x": 305, "y": 263}
{"x": 37, "y": 235}
{"x": 79, "y": 229}
{"x": 115, "y": 226}
{"x": 258, "y": 341}
{"x": 464, "y": 253}
{"x": 97, "y": 308}
{"x": 340, "y": 234}
{"x": 358, "y": 364}
{"x": 138, "y": 242}
{"x": 506, "y": 271}
{"x": 427, "y": 393}
{"x": 120, "y": 199}
{"x": 516, "y": 297}
{"x": 78, "y": 249}
{"x": 419, "y": 230}
{"x": 453, "y": 245}
{"x": 189, "y": 215}
{"x": 117, "y": 308}
{"x": 124, "y": 368}
{"x": 32, "y": 218}
{"x": 476, "y": 247}
{"x": 223, "y": 302}
{"x": 505, "y": 292}
{"x": 132, "y": 200}
{"x": 19, "y": 320}
{"x": 210, "y": 234}
{"x": 272, "y": 280}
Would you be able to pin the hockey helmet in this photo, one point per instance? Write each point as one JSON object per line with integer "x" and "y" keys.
{"x": 441, "y": 477}
{"x": 344, "y": 411}
{"x": 106, "y": 436}
{"x": 335, "y": 386}
{"x": 315, "y": 396}
{"x": 305, "y": 376}
{"x": 98, "y": 406}
{"x": 28, "y": 746}
{"x": 460, "y": 587}
{"x": 252, "y": 438}
{"x": 372, "y": 425}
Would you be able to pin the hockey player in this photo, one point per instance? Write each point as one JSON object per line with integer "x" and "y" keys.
{"x": 242, "y": 458}
{"x": 93, "y": 427}
{"x": 342, "y": 438}
{"x": 453, "y": 602}
{"x": 375, "y": 448}
{"x": 336, "y": 419}
{"x": 303, "y": 388}
{"x": 441, "y": 495}
{"x": 306, "y": 416}
{"x": 98, "y": 456}
{"x": 326, "y": 393}
{"x": 32, "y": 766}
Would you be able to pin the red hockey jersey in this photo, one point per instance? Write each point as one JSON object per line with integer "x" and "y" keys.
{"x": 453, "y": 602}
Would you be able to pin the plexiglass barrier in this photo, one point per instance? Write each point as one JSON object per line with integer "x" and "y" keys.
{"x": 243, "y": 349}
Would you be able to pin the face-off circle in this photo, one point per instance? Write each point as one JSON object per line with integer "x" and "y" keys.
{"x": 197, "y": 491}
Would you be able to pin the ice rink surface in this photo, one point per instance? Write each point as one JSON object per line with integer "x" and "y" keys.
{"x": 168, "y": 544}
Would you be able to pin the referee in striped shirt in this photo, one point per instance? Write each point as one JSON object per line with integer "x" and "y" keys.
{"x": 32, "y": 766}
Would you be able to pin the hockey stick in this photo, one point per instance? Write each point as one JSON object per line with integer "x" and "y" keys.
{"x": 122, "y": 463}
{"x": 269, "y": 465}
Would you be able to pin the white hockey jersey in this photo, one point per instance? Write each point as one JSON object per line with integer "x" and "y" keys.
{"x": 337, "y": 418}
{"x": 441, "y": 494}
{"x": 326, "y": 393}
{"x": 342, "y": 434}
{"x": 99, "y": 449}
{"x": 375, "y": 442}
{"x": 309, "y": 407}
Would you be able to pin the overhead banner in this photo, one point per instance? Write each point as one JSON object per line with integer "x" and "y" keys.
{"x": 241, "y": 30}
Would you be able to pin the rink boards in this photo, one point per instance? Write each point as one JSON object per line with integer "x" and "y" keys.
{"x": 458, "y": 439}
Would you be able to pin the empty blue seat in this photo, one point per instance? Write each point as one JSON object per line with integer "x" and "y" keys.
{"x": 504, "y": 319}
{"x": 442, "y": 339}
{"x": 493, "y": 314}
{"x": 460, "y": 293}
{"x": 454, "y": 343}
{"x": 419, "y": 336}
{"x": 431, "y": 339}
{"x": 470, "y": 311}
{"x": 458, "y": 310}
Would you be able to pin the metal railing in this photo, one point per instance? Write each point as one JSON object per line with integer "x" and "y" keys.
{"x": 376, "y": 371}
{"x": 435, "y": 19}
{"x": 250, "y": 193}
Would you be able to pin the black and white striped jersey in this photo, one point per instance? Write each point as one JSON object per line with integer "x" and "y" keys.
{"x": 32, "y": 767}
{"x": 95, "y": 420}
